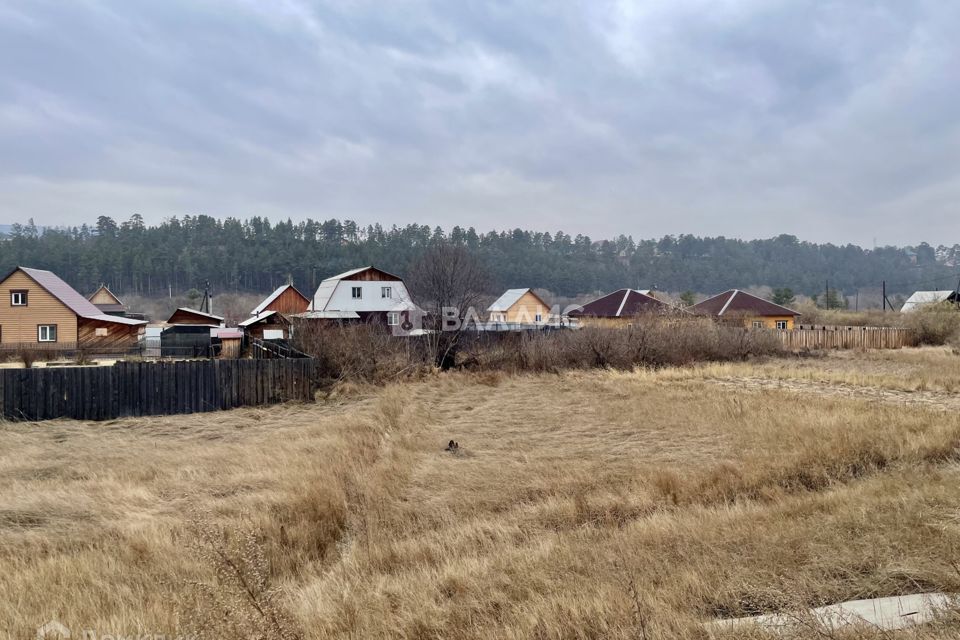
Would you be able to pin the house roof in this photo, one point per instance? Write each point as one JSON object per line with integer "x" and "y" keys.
{"x": 67, "y": 295}
{"x": 252, "y": 319}
{"x": 510, "y": 297}
{"x": 273, "y": 296}
{"x": 111, "y": 294}
{"x": 734, "y": 302}
{"x": 922, "y": 298}
{"x": 196, "y": 312}
{"x": 327, "y": 315}
{"x": 622, "y": 303}
{"x": 352, "y": 272}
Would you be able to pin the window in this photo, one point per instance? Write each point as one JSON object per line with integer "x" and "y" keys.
{"x": 781, "y": 324}
{"x": 18, "y": 298}
{"x": 539, "y": 317}
{"x": 386, "y": 292}
{"x": 356, "y": 293}
{"x": 101, "y": 332}
{"x": 758, "y": 324}
{"x": 393, "y": 318}
{"x": 47, "y": 333}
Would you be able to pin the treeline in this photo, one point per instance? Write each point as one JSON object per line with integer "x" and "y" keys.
{"x": 256, "y": 255}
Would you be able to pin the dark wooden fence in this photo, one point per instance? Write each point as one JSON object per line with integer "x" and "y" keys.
{"x": 848, "y": 338}
{"x": 151, "y": 388}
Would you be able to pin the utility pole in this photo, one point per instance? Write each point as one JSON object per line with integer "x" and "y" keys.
{"x": 884, "y": 296}
{"x": 826, "y": 295}
{"x": 856, "y": 305}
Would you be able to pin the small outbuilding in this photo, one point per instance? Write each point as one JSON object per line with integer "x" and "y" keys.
{"x": 921, "y": 299}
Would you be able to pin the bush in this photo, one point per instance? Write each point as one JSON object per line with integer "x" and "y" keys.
{"x": 935, "y": 325}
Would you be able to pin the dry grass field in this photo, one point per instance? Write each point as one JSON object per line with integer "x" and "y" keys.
{"x": 579, "y": 505}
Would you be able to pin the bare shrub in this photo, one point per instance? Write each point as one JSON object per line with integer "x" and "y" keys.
{"x": 935, "y": 325}
{"x": 28, "y": 357}
{"x": 358, "y": 352}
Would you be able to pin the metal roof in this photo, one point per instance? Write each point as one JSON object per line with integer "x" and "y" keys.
{"x": 507, "y": 300}
{"x": 735, "y": 301}
{"x": 353, "y": 272}
{"x": 327, "y": 315}
{"x": 249, "y": 321}
{"x": 922, "y": 298}
{"x": 622, "y": 303}
{"x": 198, "y": 313}
{"x": 66, "y": 294}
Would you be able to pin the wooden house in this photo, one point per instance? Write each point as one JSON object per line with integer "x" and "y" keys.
{"x": 618, "y": 309}
{"x": 107, "y": 301}
{"x": 184, "y": 315}
{"x": 42, "y": 311}
{"x": 519, "y": 307}
{"x": 270, "y": 319}
{"x": 366, "y": 294}
{"x": 738, "y": 307}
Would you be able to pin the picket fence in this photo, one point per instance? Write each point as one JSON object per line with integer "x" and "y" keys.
{"x": 848, "y": 338}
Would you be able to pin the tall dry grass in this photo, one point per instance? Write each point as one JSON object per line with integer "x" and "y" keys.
{"x": 584, "y": 504}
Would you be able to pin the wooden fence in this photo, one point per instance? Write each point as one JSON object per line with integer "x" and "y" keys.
{"x": 848, "y": 338}
{"x": 151, "y": 388}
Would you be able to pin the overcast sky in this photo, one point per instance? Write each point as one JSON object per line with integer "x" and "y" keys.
{"x": 834, "y": 121}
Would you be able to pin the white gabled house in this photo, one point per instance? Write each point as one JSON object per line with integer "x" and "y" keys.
{"x": 366, "y": 294}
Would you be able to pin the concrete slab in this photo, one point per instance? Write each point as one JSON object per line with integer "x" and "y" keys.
{"x": 894, "y": 612}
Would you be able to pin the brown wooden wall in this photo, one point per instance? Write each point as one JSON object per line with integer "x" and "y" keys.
{"x": 181, "y": 316}
{"x": 119, "y": 336}
{"x": 102, "y": 296}
{"x": 19, "y": 324}
{"x": 290, "y": 301}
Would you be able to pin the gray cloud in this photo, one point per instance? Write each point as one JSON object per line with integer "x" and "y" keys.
{"x": 830, "y": 120}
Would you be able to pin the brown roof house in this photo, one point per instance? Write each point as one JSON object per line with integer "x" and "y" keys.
{"x": 737, "y": 307}
{"x": 43, "y": 311}
{"x": 269, "y": 320}
{"x": 618, "y": 309}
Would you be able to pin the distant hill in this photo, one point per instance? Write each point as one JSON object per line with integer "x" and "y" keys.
{"x": 256, "y": 256}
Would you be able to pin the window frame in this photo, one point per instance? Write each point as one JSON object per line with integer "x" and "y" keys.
{"x": 356, "y": 293}
{"x": 24, "y": 293}
{"x": 782, "y": 325}
{"x": 393, "y": 318}
{"x": 40, "y": 328}
{"x": 538, "y": 317}
{"x": 758, "y": 324}
{"x": 386, "y": 293}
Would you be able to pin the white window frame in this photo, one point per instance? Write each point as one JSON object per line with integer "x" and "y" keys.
{"x": 782, "y": 325}
{"x": 18, "y": 298}
{"x": 43, "y": 333}
{"x": 393, "y": 318}
{"x": 356, "y": 293}
{"x": 758, "y": 324}
{"x": 538, "y": 318}
{"x": 386, "y": 292}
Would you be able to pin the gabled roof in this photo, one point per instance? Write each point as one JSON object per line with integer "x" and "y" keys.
{"x": 111, "y": 296}
{"x": 70, "y": 298}
{"x": 622, "y": 303}
{"x": 923, "y": 298}
{"x": 195, "y": 312}
{"x": 327, "y": 315}
{"x": 735, "y": 302}
{"x": 273, "y": 296}
{"x": 253, "y": 319}
{"x": 346, "y": 275}
{"x": 510, "y": 297}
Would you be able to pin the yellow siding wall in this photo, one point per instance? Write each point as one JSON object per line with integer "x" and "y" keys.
{"x": 769, "y": 322}
{"x": 19, "y": 324}
{"x": 607, "y": 323}
{"x": 525, "y": 310}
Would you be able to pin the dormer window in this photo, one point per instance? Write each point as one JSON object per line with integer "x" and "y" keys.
{"x": 386, "y": 292}
{"x": 356, "y": 293}
{"x": 18, "y": 298}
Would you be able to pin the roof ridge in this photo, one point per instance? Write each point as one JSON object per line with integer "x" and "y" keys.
{"x": 729, "y": 300}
